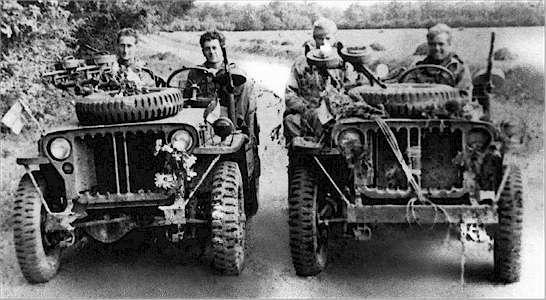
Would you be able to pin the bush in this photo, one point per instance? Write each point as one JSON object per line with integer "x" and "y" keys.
{"x": 377, "y": 47}
{"x": 422, "y": 49}
{"x": 99, "y": 21}
{"x": 504, "y": 54}
{"x": 38, "y": 32}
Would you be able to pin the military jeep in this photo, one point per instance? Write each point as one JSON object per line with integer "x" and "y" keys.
{"x": 141, "y": 161}
{"x": 426, "y": 161}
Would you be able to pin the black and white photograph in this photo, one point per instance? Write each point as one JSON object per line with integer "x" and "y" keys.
{"x": 297, "y": 149}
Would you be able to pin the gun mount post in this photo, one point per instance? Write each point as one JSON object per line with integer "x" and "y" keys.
{"x": 230, "y": 88}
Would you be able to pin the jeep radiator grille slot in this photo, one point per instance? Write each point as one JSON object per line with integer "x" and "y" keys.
{"x": 124, "y": 162}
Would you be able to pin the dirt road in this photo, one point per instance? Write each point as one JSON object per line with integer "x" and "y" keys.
{"x": 401, "y": 262}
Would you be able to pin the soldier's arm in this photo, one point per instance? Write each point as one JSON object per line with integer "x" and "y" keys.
{"x": 293, "y": 101}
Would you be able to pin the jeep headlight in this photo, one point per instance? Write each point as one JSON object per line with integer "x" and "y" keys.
{"x": 60, "y": 148}
{"x": 182, "y": 140}
{"x": 350, "y": 140}
{"x": 223, "y": 127}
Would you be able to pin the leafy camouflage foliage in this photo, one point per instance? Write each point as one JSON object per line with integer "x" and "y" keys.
{"x": 33, "y": 34}
{"x": 99, "y": 21}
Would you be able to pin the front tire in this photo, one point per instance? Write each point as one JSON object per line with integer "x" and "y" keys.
{"x": 308, "y": 245}
{"x": 228, "y": 219}
{"x": 507, "y": 242}
{"x": 37, "y": 254}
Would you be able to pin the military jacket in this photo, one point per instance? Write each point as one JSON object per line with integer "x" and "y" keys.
{"x": 453, "y": 63}
{"x": 133, "y": 72}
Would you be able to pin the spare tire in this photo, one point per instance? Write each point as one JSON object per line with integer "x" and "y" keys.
{"x": 412, "y": 100}
{"x": 105, "y": 108}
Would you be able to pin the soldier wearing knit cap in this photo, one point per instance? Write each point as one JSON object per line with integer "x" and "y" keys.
{"x": 324, "y": 31}
{"x": 305, "y": 86}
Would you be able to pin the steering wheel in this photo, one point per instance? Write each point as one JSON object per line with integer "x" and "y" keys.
{"x": 205, "y": 71}
{"x": 440, "y": 74}
{"x": 200, "y": 89}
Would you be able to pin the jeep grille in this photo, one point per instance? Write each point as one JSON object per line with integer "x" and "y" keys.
{"x": 428, "y": 146}
{"x": 124, "y": 162}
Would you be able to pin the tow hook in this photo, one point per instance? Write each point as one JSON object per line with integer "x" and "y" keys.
{"x": 175, "y": 214}
{"x": 362, "y": 232}
{"x": 473, "y": 232}
{"x": 176, "y": 236}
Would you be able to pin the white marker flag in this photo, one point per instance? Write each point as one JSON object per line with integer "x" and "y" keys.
{"x": 215, "y": 113}
{"x": 14, "y": 118}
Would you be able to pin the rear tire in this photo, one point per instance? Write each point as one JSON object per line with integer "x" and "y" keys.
{"x": 38, "y": 257}
{"x": 228, "y": 219}
{"x": 308, "y": 245}
{"x": 507, "y": 243}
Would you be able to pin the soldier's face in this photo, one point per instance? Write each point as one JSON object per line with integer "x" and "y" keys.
{"x": 439, "y": 46}
{"x": 127, "y": 47}
{"x": 322, "y": 37}
{"x": 212, "y": 51}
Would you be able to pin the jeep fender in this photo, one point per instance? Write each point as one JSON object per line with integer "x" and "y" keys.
{"x": 55, "y": 182}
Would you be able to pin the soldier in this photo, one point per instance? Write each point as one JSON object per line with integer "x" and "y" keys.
{"x": 210, "y": 42}
{"x": 305, "y": 86}
{"x": 440, "y": 52}
{"x": 129, "y": 66}
{"x": 211, "y": 45}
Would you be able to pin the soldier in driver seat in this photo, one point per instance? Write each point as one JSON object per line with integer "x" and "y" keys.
{"x": 439, "y": 38}
{"x": 245, "y": 105}
{"x": 210, "y": 42}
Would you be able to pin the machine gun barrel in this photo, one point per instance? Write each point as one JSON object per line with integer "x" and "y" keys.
{"x": 363, "y": 69}
{"x": 230, "y": 88}
{"x": 87, "y": 74}
{"x": 360, "y": 67}
{"x": 489, "y": 86}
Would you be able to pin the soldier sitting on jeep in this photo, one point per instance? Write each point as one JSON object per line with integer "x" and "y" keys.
{"x": 440, "y": 53}
{"x": 211, "y": 45}
{"x": 305, "y": 85}
{"x": 129, "y": 66}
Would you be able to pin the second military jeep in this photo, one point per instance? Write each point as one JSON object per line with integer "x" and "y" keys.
{"x": 425, "y": 161}
{"x": 147, "y": 160}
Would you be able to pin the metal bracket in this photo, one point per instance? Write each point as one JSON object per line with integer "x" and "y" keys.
{"x": 175, "y": 213}
{"x": 57, "y": 220}
{"x": 63, "y": 220}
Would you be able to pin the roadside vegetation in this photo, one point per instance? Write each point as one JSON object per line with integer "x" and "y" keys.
{"x": 279, "y": 15}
